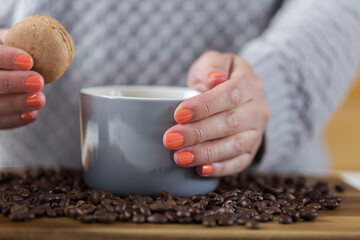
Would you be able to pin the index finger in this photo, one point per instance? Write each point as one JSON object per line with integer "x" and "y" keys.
{"x": 230, "y": 94}
{"x": 14, "y": 59}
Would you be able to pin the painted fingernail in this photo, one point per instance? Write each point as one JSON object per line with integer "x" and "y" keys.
{"x": 183, "y": 115}
{"x": 216, "y": 78}
{"x": 34, "y": 83}
{"x": 23, "y": 61}
{"x": 27, "y": 117}
{"x": 173, "y": 140}
{"x": 206, "y": 169}
{"x": 33, "y": 100}
{"x": 185, "y": 158}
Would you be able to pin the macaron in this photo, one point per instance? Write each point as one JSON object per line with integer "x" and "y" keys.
{"x": 47, "y": 41}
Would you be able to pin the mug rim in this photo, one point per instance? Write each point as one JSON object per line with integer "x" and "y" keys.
{"x": 88, "y": 91}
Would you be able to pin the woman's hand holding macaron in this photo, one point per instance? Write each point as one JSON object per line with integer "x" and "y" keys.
{"x": 220, "y": 130}
{"x": 20, "y": 88}
{"x": 37, "y": 43}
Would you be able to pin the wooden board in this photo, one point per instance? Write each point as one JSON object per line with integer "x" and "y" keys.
{"x": 342, "y": 223}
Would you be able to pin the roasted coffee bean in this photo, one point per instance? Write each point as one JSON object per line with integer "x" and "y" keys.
{"x": 156, "y": 218}
{"x": 340, "y": 187}
{"x": 255, "y": 196}
{"x": 106, "y": 218}
{"x": 95, "y": 196}
{"x": 209, "y": 222}
{"x": 314, "y": 205}
{"x": 246, "y": 203}
{"x": 51, "y": 212}
{"x": 22, "y": 192}
{"x": 85, "y": 218}
{"x": 185, "y": 220}
{"x": 295, "y": 215}
{"x": 330, "y": 204}
{"x": 183, "y": 201}
{"x": 18, "y": 209}
{"x": 285, "y": 219}
{"x": 252, "y": 224}
{"x": 242, "y": 221}
{"x": 211, "y": 194}
{"x": 145, "y": 210}
{"x": 289, "y": 197}
{"x": 276, "y": 210}
{"x": 197, "y": 197}
{"x": 226, "y": 221}
{"x": 308, "y": 215}
{"x": 269, "y": 196}
{"x": 171, "y": 216}
{"x": 183, "y": 213}
{"x": 165, "y": 195}
{"x": 159, "y": 207}
{"x": 264, "y": 217}
{"x": 79, "y": 203}
{"x": 138, "y": 218}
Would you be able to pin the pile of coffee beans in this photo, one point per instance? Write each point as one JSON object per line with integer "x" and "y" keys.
{"x": 244, "y": 199}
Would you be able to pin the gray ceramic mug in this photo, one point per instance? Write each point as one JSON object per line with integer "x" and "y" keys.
{"x": 121, "y": 141}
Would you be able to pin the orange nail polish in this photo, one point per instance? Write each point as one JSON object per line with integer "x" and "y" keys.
{"x": 185, "y": 158}
{"x": 173, "y": 140}
{"x": 206, "y": 169}
{"x": 33, "y": 83}
{"x": 217, "y": 75}
{"x": 27, "y": 117}
{"x": 23, "y": 62}
{"x": 183, "y": 115}
{"x": 33, "y": 100}
{"x": 216, "y": 78}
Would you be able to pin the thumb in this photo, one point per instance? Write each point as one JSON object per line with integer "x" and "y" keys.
{"x": 3, "y": 32}
{"x": 209, "y": 70}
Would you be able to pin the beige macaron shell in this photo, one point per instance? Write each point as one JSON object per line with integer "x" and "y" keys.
{"x": 45, "y": 43}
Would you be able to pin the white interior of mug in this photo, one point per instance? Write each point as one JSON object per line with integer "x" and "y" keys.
{"x": 141, "y": 92}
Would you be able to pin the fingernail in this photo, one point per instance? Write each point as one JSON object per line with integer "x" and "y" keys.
{"x": 33, "y": 100}
{"x": 34, "y": 83}
{"x": 23, "y": 62}
{"x": 27, "y": 117}
{"x": 185, "y": 158}
{"x": 173, "y": 140}
{"x": 183, "y": 115}
{"x": 206, "y": 169}
{"x": 216, "y": 78}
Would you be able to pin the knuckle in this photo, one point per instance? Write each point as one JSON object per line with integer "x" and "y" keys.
{"x": 234, "y": 95}
{"x": 198, "y": 134}
{"x": 210, "y": 155}
{"x": 232, "y": 121}
{"x": 259, "y": 85}
{"x": 6, "y": 83}
{"x": 206, "y": 106}
{"x": 240, "y": 145}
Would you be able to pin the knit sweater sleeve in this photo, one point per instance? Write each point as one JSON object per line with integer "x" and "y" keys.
{"x": 307, "y": 59}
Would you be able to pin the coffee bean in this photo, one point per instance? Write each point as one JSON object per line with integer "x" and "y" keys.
{"x": 285, "y": 219}
{"x": 246, "y": 203}
{"x": 95, "y": 196}
{"x": 295, "y": 215}
{"x": 314, "y": 205}
{"x": 106, "y": 218}
{"x": 51, "y": 212}
{"x": 209, "y": 222}
{"x": 242, "y": 221}
{"x": 252, "y": 224}
{"x": 183, "y": 213}
{"x": 85, "y": 218}
{"x": 197, "y": 197}
{"x": 159, "y": 207}
{"x": 185, "y": 220}
{"x": 138, "y": 218}
{"x": 157, "y": 218}
{"x": 330, "y": 204}
{"x": 171, "y": 216}
{"x": 276, "y": 210}
{"x": 166, "y": 195}
{"x": 308, "y": 215}
{"x": 340, "y": 187}
{"x": 226, "y": 221}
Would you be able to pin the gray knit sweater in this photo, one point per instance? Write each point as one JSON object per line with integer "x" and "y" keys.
{"x": 306, "y": 52}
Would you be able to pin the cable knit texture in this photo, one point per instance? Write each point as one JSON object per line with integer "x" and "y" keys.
{"x": 306, "y": 52}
